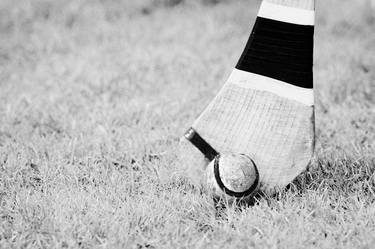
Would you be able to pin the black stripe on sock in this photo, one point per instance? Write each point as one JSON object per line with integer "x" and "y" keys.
{"x": 207, "y": 150}
{"x": 229, "y": 192}
{"x": 280, "y": 50}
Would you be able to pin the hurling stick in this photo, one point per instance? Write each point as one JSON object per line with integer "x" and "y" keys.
{"x": 265, "y": 110}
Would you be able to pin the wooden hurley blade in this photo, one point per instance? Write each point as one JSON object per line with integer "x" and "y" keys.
{"x": 266, "y": 108}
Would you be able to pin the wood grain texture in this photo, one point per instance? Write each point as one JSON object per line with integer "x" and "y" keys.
{"x": 277, "y": 133}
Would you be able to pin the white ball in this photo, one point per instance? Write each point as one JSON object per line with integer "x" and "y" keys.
{"x": 232, "y": 177}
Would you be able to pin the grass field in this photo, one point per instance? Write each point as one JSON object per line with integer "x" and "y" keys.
{"x": 94, "y": 96}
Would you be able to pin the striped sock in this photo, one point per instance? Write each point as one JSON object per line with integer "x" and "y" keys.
{"x": 266, "y": 108}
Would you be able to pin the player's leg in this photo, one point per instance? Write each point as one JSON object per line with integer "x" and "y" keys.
{"x": 265, "y": 109}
